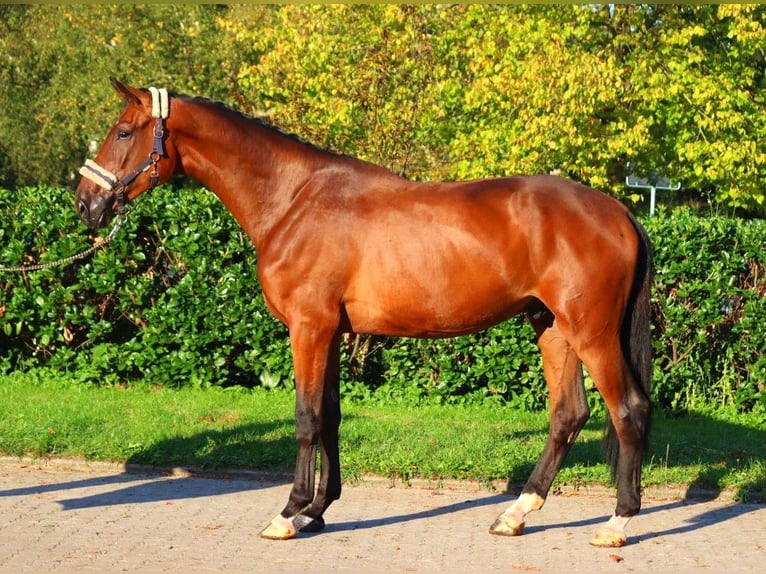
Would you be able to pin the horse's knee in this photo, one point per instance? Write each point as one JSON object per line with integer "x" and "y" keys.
{"x": 307, "y": 426}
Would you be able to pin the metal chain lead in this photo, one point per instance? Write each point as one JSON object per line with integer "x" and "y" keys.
{"x": 118, "y": 223}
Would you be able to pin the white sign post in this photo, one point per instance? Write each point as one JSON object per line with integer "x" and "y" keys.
{"x": 652, "y": 183}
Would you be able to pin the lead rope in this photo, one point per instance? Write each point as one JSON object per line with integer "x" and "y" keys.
{"x": 100, "y": 242}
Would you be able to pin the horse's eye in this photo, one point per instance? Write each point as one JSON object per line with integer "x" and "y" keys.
{"x": 123, "y": 135}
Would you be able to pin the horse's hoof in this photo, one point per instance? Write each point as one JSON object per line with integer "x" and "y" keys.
{"x": 503, "y": 527}
{"x": 308, "y": 524}
{"x": 608, "y": 539}
{"x": 280, "y": 528}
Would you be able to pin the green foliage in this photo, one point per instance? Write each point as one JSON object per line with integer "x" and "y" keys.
{"x": 476, "y": 91}
{"x": 175, "y": 301}
{"x": 431, "y": 91}
{"x": 501, "y": 364}
{"x": 710, "y": 300}
{"x": 374, "y": 98}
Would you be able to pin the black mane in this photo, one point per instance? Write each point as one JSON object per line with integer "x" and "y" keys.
{"x": 250, "y": 118}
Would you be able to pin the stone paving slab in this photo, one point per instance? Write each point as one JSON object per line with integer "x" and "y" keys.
{"x": 102, "y": 519}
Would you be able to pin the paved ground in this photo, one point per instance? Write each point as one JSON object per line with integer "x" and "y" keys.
{"x": 74, "y": 517}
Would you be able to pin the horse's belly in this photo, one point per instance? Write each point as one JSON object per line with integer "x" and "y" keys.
{"x": 407, "y": 309}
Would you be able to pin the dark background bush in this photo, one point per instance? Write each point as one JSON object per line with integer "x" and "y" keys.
{"x": 175, "y": 301}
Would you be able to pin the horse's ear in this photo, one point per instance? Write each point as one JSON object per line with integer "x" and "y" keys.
{"x": 129, "y": 94}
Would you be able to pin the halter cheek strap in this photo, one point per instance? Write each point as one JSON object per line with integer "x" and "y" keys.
{"x": 109, "y": 181}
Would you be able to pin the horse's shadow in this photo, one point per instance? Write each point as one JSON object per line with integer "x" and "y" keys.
{"x": 151, "y": 473}
{"x": 378, "y": 522}
{"x": 699, "y": 521}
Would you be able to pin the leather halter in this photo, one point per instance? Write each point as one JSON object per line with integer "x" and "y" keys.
{"x": 118, "y": 185}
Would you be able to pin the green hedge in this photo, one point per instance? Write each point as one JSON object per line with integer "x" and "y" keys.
{"x": 174, "y": 300}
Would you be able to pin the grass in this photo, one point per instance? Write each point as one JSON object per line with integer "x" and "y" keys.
{"x": 237, "y": 428}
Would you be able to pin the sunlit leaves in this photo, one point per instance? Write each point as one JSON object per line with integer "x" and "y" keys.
{"x": 477, "y": 91}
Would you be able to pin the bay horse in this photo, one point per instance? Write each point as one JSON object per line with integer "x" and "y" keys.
{"x": 346, "y": 246}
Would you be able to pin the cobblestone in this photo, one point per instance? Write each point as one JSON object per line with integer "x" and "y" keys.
{"x": 99, "y": 518}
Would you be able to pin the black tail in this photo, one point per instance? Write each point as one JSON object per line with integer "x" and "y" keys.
{"x": 636, "y": 342}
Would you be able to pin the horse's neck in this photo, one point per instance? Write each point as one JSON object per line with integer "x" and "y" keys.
{"x": 253, "y": 169}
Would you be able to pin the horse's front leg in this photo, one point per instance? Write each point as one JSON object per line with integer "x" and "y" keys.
{"x": 316, "y": 355}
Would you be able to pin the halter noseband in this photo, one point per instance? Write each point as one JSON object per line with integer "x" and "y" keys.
{"x": 109, "y": 181}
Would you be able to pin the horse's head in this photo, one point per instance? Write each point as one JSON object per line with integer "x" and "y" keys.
{"x": 135, "y": 157}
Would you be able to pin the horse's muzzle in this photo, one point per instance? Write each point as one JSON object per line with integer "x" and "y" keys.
{"x": 95, "y": 209}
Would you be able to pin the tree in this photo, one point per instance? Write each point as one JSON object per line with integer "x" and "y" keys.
{"x": 430, "y": 91}
{"x": 357, "y": 79}
{"x": 56, "y": 61}
{"x": 696, "y": 78}
{"x": 479, "y": 91}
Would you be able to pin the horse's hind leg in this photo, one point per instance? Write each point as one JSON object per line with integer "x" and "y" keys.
{"x": 629, "y": 413}
{"x": 568, "y": 414}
